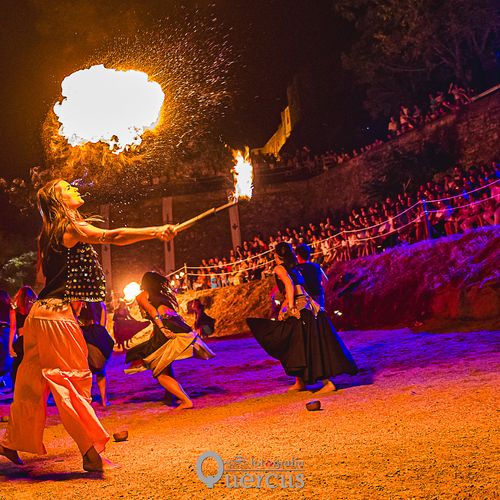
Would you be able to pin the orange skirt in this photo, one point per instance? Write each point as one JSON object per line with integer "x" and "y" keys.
{"x": 55, "y": 360}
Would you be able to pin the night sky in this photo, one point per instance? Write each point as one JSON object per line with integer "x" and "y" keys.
{"x": 42, "y": 41}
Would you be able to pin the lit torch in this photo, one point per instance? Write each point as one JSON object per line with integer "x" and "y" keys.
{"x": 243, "y": 188}
{"x": 131, "y": 291}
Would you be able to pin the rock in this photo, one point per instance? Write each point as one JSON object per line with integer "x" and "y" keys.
{"x": 313, "y": 405}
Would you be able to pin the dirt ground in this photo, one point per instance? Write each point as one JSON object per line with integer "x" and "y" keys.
{"x": 418, "y": 421}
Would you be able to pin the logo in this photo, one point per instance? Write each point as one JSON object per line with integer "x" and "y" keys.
{"x": 252, "y": 473}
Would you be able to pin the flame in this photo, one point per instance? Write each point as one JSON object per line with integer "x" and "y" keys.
{"x": 243, "y": 175}
{"x": 115, "y": 107}
{"x": 131, "y": 291}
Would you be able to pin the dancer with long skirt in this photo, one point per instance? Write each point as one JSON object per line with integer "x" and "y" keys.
{"x": 23, "y": 302}
{"x": 92, "y": 318}
{"x": 303, "y": 339}
{"x": 125, "y": 326}
{"x": 55, "y": 352}
{"x": 204, "y": 325}
{"x": 7, "y": 316}
{"x": 172, "y": 339}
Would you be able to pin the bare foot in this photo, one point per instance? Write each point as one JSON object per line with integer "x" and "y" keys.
{"x": 11, "y": 455}
{"x": 327, "y": 387}
{"x": 93, "y": 462}
{"x": 185, "y": 405}
{"x": 298, "y": 386}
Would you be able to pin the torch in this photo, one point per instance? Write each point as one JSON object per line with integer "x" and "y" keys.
{"x": 243, "y": 187}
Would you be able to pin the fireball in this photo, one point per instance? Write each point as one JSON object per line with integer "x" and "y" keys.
{"x": 131, "y": 291}
{"x": 108, "y": 105}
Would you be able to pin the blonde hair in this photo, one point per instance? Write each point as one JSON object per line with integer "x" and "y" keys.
{"x": 55, "y": 217}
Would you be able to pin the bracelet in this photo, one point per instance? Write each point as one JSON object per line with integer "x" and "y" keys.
{"x": 103, "y": 236}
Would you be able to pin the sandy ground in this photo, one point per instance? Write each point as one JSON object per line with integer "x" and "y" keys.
{"x": 418, "y": 421}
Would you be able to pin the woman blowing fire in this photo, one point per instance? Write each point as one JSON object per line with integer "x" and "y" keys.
{"x": 55, "y": 353}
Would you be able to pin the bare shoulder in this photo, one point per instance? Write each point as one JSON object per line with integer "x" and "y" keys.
{"x": 279, "y": 269}
{"x": 82, "y": 231}
{"x": 142, "y": 297}
{"x": 70, "y": 237}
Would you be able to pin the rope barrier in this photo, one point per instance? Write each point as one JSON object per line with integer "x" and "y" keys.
{"x": 381, "y": 223}
{"x": 467, "y": 193}
{"x": 231, "y": 263}
{"x": 264, "y": 264}
{"x": 482, "y": 200}
{"x": 315, "y": 244}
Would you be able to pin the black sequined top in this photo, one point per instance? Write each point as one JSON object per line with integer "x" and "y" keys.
{"x": 73, "y": 274}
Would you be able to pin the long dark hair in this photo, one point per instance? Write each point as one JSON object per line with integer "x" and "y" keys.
{"x": 285, "y": 252}
{"x": 156, "y": 284}
{"x": 24, "y": 298}
{"x": 5, "y": 306}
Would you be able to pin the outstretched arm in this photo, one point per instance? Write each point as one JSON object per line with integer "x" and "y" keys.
{"x": 87, "y": 233}
{"x": 142, "y": 300}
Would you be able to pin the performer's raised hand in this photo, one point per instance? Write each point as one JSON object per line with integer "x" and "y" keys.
{"x": 167, "y": 232}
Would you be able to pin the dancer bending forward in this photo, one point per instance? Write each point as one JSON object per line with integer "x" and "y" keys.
{"x": 303, "y": 338}
{"x": 172, "y": 338}
{"x": 55, "y": 353}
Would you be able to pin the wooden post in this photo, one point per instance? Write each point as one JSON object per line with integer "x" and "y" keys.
{"x": 186, "y": 277}
{"x": 106, "y": 252}
{"x": 428, "y": 228}
{"x": 234, "y": 222}
{"x": 168, "y": 246}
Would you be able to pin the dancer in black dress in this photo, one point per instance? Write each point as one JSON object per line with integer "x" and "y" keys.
{"x": 303, "y": 338}
{"x": 93, "y": 318}
{"x": 172, "y": 338}
{"x": 125, "y": 326}
{"x": 204, "y": 325}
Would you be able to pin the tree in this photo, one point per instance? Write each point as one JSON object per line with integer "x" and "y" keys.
{"x": 407, "y": 46}
{"x": 18, "y": 271}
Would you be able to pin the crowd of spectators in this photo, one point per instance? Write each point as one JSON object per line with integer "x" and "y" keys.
{"x": 304, "y": 161}
{"x": 470, "y": 198}
{"x": 410, "y": 118}
{"x": 439, "y": 104}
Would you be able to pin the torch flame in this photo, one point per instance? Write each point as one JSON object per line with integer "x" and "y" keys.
{"x": 131, "y": 291}
{"x": 243, "y": 175}
{"x": 115, "y": 107}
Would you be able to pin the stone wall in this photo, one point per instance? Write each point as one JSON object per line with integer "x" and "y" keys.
{"x": 472, "y": 133}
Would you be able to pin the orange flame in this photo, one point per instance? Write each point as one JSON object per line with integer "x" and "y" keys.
{"x": 243, "y": 175}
